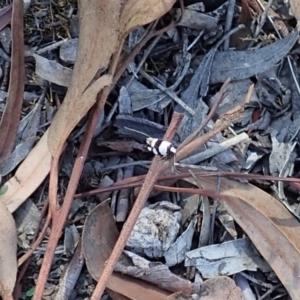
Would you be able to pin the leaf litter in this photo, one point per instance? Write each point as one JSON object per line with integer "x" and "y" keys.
{"x": 152, "y": 79}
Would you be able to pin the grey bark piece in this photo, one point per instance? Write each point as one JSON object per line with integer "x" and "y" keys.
{"x": 244, "y": 64}
{"x": 52, "y": 71}
{"x": 68, "y": 51}
{"x": 71, "y": 239}
{"x": 176, "y": 253}
{"x": 226, "y": 259}
{"x": 196, "y": 20}
{"x": 19, "y": 153}
{"x": 29, "y": 125}
{"x": 251, "y": 160}
{"x": 155, "y": 230}
{"x": 105, "y": 182}
{"x": 190, "y": 95}
{"x": 142, "y": 97}
{"x": 27, "y": 217}
{"x": 281, "y": 152}
{"x": 124, "y": 102}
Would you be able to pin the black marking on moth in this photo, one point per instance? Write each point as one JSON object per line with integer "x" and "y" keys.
{"x": 161, "y": 147}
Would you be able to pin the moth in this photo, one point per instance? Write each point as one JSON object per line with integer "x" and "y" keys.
{"x": 160, "y": 147}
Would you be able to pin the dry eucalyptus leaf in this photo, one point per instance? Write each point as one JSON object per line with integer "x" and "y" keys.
{"x": 138, "y": 13}
{"x": 11, "y": 115}
{"x": 270, "y": 226}
{"x": 228, "y": 258}
{"x": 95, "y": 49}
{"x": 8, "y": 253}
{"x": 93, "y": 55}
{"x": 71, "y": 112}
{"x": 244, "y": 64}
{"x": 52, "y": 71}
{"x": 95, "y": 46}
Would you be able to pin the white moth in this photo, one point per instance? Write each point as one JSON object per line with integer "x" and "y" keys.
{"x": 161, "y": 147}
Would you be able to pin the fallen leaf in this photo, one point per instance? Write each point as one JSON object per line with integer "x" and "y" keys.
{"x": 5, "y": 15}
{"x": 52, "y": 71}
{"x": 138, "y": 13}
{"x": 228, "y": 258}
{"x": 95, "y": 49}
{"x": 98, "y": 239}
{"x": 11, "y": 116}
{"x": 244, "y": 64}
{"x": 271, "y": 227}
{"x": 71, "y": 112}
{"x": 8, "y": 253}
{"x": 29, "y": 175}
{"x": 94, "y": 55}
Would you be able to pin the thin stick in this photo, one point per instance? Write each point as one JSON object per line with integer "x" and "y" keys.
{"x": 155, "y": 170}
{"x": 60, "y": 215}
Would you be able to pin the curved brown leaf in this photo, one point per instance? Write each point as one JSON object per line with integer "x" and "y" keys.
{"x": 11, "y": 116}
{"x": 98, "y": 239}
{"x": 71, "y": 112}
{"x": 138, "y": 13}
{"x": 98, "y": 40}
{"x": 271, "y": 227}
{"x": 8, "y": 253}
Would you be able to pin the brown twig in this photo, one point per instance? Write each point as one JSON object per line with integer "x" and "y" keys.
{"x": 60, "y": 215}
{"x": 195, "y": 191}
{"x": 137, "y": 181}
{"x": 158, "y": 166}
